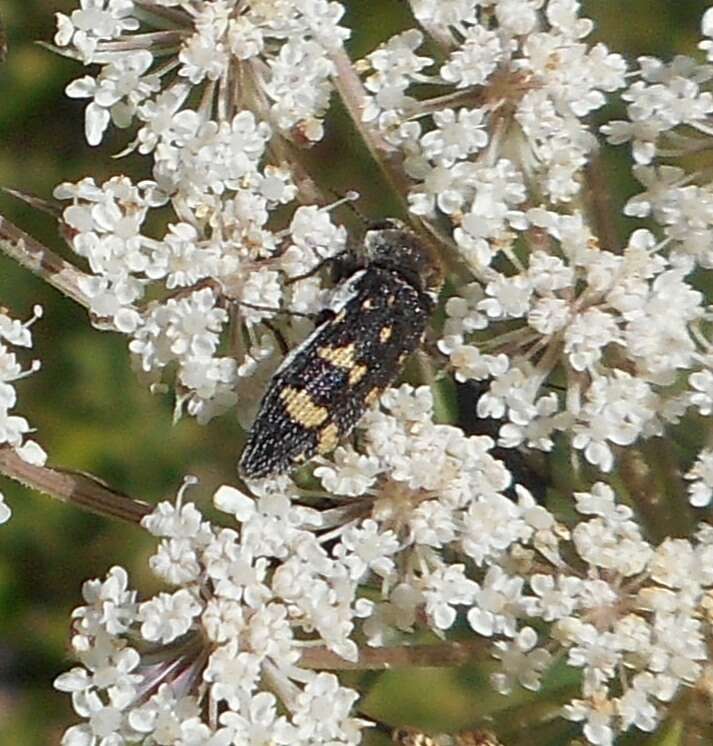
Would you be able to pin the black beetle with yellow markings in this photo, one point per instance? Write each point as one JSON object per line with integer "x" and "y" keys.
{"x": 376, "y": 318}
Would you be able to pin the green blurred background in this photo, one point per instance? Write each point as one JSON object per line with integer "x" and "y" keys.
{"x": 92, "y": 415}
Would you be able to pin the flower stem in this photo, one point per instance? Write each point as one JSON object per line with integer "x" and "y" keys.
{"x": 42, "y": 261}
{"x": 82, "y": 490}
{"x": 600, "y": 208}
{"x": 442, "y": 655}
{"x": 353, "y": 96}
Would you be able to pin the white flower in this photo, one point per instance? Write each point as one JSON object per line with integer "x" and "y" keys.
{"x": 521, "y": 662}
{"x": 351, "y": 473}
{"x": 260, "y": 723}
{"x": 231, "y": 500}
{"x": 537, "y": 427}
{"x": 635, "y": 706}
{"x": 468, "y": 361}
{"x": 261, "y": 295}
{"x": 300, "y": 86}
{"x": 457, "y": 135}
{"x": 203, "y": 56}
{"x": 679, "y": 647}
{"x": 5, "y": 511}
{"x": 96, "y": 20}
{"x": 597, "y": 714}
{"x": 490, "y": 525}
{"x": 411, "y": 404}
{"x": 671, "y": 348}
{"x": 13, "y": 428}
{"x": 366, "y": 548}
{"x": 443, "y": 590}
{"x": 462, "y": 311}
{"x": 163, "y": 715}
{"x": 186, "y": 260}
{"x": 231, "y": 674}
{"x": 188, "y": 327}
{"x": 432, "y": 524}
{"x": 700, "y": 474}
{"x": 642, "y": 134}
{"x": 178, "y": 522}
{"x": 597, "y": 653}
{"x": 105, "y": 723}
{"x": 601, "y": 546}
{"x": 549, "y": 315}
{"x": 587, "y": 335}
{"x": 658, "y": 181}
{"x": 601, "y": 501}
{"x": 475, "y": 60}
{"x": 168, "y": 616}
{"x": 512, "y": 391}
{"x": 245, "y": 37}
{"x": 509, "y": 297}
{"x": 396, "y": 61}
{"x": 517, "y": 16}
{"x": 444, "y": 12}
{"x": 612, "y": 539}
{"x": 498, "y": 604}
{"x": 315, "y": 238}
{"x": 677, "y": 564}
{"x": 322, "y": 713}
{"x": 111, "y": 605}
{"x": 707, "y": 30}
{"x": 176, "y": 562}
{"x": 234, "y": 571}
{"x": 17, "y": 332}
{"x": 165, "y": 121}
{"x": 444, "y": 187}
{"x": 619, "y": 409}
{"x": 557, "y": 596}
{"x": 702, "y": 395}
{"x": 120, "y": 88}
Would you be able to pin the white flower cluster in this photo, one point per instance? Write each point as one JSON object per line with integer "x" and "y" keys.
{"x": 201, "y": 264}
{"x": 601, "y": 320}
{"x": 14, "y": 428}
{"x": 574, "y": 336}
{"x": 510, "y": 65}
{"x": 547, "y": 304}
{"x": 632, "y": 616}
{"x": 669, "y": 108}
{"x": 265, "y": 68}
{"x": 199, "y": 665}
{"x": 270, "y": 54}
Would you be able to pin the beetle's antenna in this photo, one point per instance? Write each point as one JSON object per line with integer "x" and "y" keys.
{"x": 349, "y": 199}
